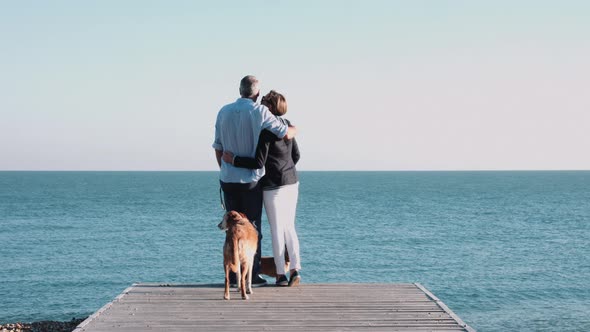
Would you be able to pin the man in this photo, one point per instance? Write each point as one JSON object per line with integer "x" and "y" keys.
{"x": 237, "y": 129}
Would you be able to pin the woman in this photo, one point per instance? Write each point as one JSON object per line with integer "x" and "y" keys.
{"x": 280, "y": 187}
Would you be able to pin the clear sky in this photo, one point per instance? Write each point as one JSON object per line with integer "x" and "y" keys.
{"x": 371, "y": 85}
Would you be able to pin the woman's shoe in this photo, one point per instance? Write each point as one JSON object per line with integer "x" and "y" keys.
{"x": 294, "y": 279}
{"x": 282, "y": 281}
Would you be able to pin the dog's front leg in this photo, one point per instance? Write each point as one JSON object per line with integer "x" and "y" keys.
{"x": 243, "y": 286}
{"x": 238, "y": 278}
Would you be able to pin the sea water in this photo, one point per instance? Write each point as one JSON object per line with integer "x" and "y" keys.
{"x": 506, "y": 251}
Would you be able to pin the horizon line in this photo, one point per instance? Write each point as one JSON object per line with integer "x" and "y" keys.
{"x": 307, "y": 170}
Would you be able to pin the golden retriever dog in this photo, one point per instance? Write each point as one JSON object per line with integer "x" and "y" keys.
{"x": 241, "y": 242}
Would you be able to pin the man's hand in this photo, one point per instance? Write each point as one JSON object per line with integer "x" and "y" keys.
{"x": 228, "y": 157}
{"x": 291, "y": 132}
{"x": 218, "y": 154}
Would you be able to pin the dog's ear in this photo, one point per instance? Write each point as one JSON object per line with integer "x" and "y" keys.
{"x": 233, "y": 215}
{"x": 243, "y": 215}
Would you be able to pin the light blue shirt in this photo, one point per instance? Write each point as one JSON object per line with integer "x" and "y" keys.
{"x": 237, "y": 129}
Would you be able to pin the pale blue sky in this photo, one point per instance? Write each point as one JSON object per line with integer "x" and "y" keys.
{"x": 372, "y": 85}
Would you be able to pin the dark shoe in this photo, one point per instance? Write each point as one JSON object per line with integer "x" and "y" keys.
{"x": 258, "y": 281}
{"x": 294, "y": 279}
{"x": 282, "y": 281}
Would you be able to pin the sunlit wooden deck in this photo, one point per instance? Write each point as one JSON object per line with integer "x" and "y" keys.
{"x": 307, "y": 307}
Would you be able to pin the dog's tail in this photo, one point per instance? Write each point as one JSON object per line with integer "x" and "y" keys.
{"x": 237, "y": 256}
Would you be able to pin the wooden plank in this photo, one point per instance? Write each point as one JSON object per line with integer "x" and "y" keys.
{"x": 445, "y": 308}
{"x": 326, "y": 307}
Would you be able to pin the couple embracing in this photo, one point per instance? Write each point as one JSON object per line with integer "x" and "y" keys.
{"x": 256, "y": 152}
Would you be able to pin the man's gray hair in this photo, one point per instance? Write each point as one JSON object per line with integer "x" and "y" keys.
{"x": 249, "y": 86}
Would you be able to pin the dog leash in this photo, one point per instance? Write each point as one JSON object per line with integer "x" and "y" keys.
{"x": 221, "y": 199}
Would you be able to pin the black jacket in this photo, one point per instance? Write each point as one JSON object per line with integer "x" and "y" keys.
{"x": 278, "y": 156}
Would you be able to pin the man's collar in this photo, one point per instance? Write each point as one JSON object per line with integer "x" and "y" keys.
{"x": 245, "y": 100}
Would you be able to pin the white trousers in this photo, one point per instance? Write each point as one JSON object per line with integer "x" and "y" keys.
{"x": 280, "y": 205}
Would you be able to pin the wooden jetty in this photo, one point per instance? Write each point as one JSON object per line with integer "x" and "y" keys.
{"x": 307, "y": 307}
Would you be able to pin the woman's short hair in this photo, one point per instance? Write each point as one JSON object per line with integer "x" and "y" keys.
{"x": 249, "y": 86}
{"x": 276, "y": 102}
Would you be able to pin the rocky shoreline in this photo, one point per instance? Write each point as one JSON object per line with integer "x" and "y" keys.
{"x": 42, "y": 326}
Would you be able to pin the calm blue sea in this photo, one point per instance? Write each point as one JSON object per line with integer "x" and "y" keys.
{"x": 506, "y": 251}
